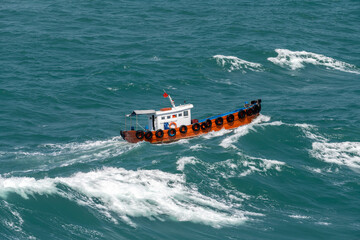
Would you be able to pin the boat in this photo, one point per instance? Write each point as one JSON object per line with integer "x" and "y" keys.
{"x": 175, "y": 123}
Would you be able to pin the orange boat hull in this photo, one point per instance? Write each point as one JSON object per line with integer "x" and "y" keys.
{"x": 130, "y": 136}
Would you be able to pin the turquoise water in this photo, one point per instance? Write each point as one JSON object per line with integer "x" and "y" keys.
{"x": 70, "y": 71}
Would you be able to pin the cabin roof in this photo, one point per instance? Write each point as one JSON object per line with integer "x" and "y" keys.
{"x": 175, "y": 109}
{"x": 141, "y": 112}
{"x": 157, "y": 113}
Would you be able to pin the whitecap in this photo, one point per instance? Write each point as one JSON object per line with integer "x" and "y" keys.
{"x": 128, "y": 194}
{"x": 296, "y": 60}
{"x": 196, "y": 147}
{"x": 181, "y": 162}
{"x": 323, "y": 223}
{"x": 299, "y": 216}
{"x": 231, "y": 63}
{"x": 341, "y": 153}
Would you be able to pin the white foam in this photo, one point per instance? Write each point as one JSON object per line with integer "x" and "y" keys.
{"x": 87, "y": 145}
{"x": 257, "y": 164}
{"x": 143, "y": 193}
{"x": 296, "y": 59}
{"x": 243, "y": 166}
{"x": 181, "y": 162}
{"x": 299, "y": 217}
{"x": 25, "y": 186}
{"x": 155, "y": 58}
{"x": 112, "y": 89}
{"x": 242, "y": 131}
{"x": 323, "y": 223}
{"x": 88, "y": 151}
{"x": 308, "y": 130}
{"x": 213, "y": 134}
{"x": 316, "y": 170}
{"x": 232, "y": 63}
{"x": 276, "y": 123}
{"x": 196, "y": 147}
{"x": 342, "y": 153}
{"x": 17, "y": 221}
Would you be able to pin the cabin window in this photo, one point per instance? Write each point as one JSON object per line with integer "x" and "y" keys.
{"x": 174, "y": 116}
{"x": 163, "y": 118}
{"x": 180, "y": 114}
{"x": 168, "y": 117}
{"x": 186, "y": 113}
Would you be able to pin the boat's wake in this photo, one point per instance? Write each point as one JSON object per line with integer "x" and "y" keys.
{"x": 50, "y": 156}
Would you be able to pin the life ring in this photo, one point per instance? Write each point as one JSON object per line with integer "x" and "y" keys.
{"x": 195, "y": 127}
{"x": 172, "y": 123}
{"x": 203, "y": 126}
{"x": 241, "y": 114}
{"x": 230, "y": 118}
{"x": 219, "y": 121}
{"x": 139, "y": 134}
{"x": 183, "y": 129}
{"x": 208, "y": 123}
{"x": 159, "y": 133}
{"x": 148, "y": 135}
{"x": 172, "y": 132}
{"x": 249, "y": 112}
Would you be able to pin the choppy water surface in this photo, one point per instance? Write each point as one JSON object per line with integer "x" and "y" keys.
{"x": 71, "y": 70}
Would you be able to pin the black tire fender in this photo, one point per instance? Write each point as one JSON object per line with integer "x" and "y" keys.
{"x": 159, "y": 133}
{"x": 172, "y": 132}
{"x": 241, "y": 114}
{"x": 230, "y": 118}
{"x": 183, "y": 129}
{"x": 148, "y": 135}
{"x": 139, "y": 134}
{"x": 219, "y": 121}
{"x": 208, "y": 123}
{"x": 195, "y": 127}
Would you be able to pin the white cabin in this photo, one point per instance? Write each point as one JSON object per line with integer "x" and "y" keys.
{"x": 166, "y": 118}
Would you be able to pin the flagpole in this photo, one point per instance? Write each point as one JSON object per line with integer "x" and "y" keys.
{"x": 170, "y": 99}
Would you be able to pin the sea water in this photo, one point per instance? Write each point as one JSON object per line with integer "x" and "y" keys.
{"x": 71, "y": 70}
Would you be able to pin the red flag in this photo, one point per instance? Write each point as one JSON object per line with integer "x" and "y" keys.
{"x": 165, "y": 95}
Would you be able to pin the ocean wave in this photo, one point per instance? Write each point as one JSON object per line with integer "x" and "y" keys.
{"x": 128, "y": 194}
{"x": 50, "y": 156}
{"x": 181, "y": 162}
{"x": 235, "y": 167}
{"x": 296, "y": 60}
{"x": 257, "y": 164}
{"x": 196, "y": 147}
{"x": 341, "y": 153}
{"x": 231, "y": 63}
{"x": 88, "y": 151}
